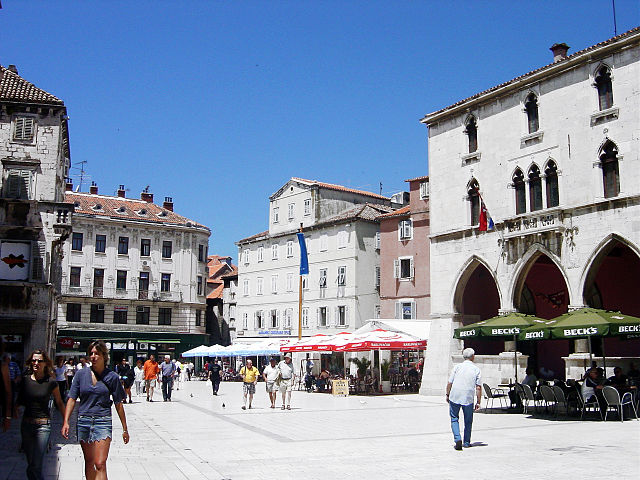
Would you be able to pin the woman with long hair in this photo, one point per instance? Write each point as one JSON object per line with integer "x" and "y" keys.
{"x": 5, "y": 390}
{"x": 36, "y": 388}
{"x": 95, "y": 387}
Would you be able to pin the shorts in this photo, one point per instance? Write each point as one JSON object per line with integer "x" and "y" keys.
{"x": 249, "y": 388}
{"x": 150, "y": 383}
{"x": 285, "y": 385}
{"x": 93, "y": 429}
{"x": 272, "y": 387}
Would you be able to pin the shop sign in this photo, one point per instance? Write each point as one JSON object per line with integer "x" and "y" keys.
{"x": 274, "y": 332}
{"x": 12, "y": 338}
{"x": 66, "y": 342}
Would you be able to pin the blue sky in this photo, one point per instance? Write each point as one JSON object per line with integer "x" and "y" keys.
{"x": 217, "y": 104}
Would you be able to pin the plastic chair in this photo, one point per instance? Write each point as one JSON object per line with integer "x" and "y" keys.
{"x": 560, "y": 398}
{"x": 493, "y": 393}
{"x": 589, "y": 403}
{"x": 548, "y": 397}
{"x": 529, "y": 397}
{"x": 612, "y": 398}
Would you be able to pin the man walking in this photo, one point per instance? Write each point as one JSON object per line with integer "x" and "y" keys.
{"x": 150, "y": 375}
{"x": 286, "y": 380}
{"x": 271, "y": 373}
{"x": 249, "y": 375}
{"x": 168, "y": 369}
{"x": 464, "y": 384}
{"x": 215, "y": 369}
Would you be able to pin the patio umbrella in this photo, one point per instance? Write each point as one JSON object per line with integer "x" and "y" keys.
{"x": 316, "y": 343}
{"x": 509, "y": 325}
{"x": 196, "y": 352}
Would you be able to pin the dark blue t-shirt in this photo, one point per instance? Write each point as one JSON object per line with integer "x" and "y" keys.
{"x": 95, "y": 399}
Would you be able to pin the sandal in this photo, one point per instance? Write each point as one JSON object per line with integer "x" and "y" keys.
{"x": 288, "y": 407}
{"x": 283, "y": 407}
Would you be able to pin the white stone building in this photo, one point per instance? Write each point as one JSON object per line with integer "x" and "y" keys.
{"x": 34, "y": 220}
{"x": 554, "y": 156}
{"x": 340, "y": 293}
{"x": 134, "y": 274}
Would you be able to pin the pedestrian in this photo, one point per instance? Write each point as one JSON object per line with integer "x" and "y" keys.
{"x": 151, "y": 370}
{"x": 215, "y": 369}
{"x": 249, "y": 375}
{"x": 60, "y": 370}
{"x": 124, "y": 371}
{"x": 271, "y": 375}
{"x": 168, "y": 370}
{"x": 309, "y": 366}
{"x": 6, "y": 396}
{"x": 138, "y": 375}
{"x": 95, "y": 387}
{"x": 70, "y": 371}
{"x": 36, "y": 388}
{"x": 464, "y": 384}
{"x": 286, "y": 380}
{"x": 176, "y": 377}
{"x": 190, "y": 369}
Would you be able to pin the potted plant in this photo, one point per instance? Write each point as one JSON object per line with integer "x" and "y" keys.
{"x": 386, "y": 381}
{"x": 362, "y": 364}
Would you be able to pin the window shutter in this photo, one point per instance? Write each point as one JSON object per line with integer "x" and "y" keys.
{"x": 413, "y": 310}
{"x": 28, "y": 128}
{"x": 13, "y": 184}
{"x": 377, "y": 276}
{"x": 412, "y": 271}
{"x": 398, "y": 310}
{"x": 400, "y": 230}
{"x": 336, "y": 316}
{"x": 19, "y": 131}
{"x": 38, "y": 254}
{"x": 409, "y": 229}
{"x": 396, "y": 268}
{"x": 346, "y": 315}
{"x": 318, "y": 316}
{"x": 277, "y": 318}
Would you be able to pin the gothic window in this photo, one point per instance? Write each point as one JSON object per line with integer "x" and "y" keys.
{"x": 605, "y": 89}
{"x": 551, "y": 181}
{"x": 518, "y": 185}
{"x": 535, "y": 189}
{"x": 610, "y": 172}
{"x": 473, "y": 192}
{"x": 472, "y": 133}
{"x": 531, "y": 107}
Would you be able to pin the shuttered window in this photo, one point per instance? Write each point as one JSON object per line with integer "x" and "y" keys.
{"x": 18, "y": 184}
{"x": 24, "y": 129}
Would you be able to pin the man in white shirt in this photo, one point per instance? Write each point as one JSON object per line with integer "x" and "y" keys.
{"x": 286, "y": 380}
{"x": 464, "y": 384}
{"x": 271, "y": 373}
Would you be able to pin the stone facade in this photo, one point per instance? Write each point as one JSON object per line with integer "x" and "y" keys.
{"x": 553, "y": 155}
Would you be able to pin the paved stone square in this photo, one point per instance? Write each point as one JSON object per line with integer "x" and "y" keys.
{"x": 391, "y": 437}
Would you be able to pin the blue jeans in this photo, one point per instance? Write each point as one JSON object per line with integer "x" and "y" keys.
{"x": 35, "y": 441}
{"x": 467, "y": 410}
{"x": 167, "y": 386}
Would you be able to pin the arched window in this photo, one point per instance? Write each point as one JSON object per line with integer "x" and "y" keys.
{"x": 610, "y": 173}
{"x": 551, "y": 181}
{"x": 518, "y": 185}
{"x": 535, "y": 189}
{"x": 472, "y": 133}
{"x": 473, "y": 191}
{"x": 605, "y": 89}
{"x": 531, "y": 107}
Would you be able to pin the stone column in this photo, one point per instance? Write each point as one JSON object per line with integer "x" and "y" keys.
{"x": 437, "y": 359}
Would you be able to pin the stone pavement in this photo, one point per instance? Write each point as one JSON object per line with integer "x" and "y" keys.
{"x": 390, "y": 437}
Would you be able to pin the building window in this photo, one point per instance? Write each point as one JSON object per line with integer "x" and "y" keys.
{"x": 246, "y": 256}
{"x": 291, "y": 209}
{"x": 322, "y": 317}
{"x": 198, "y": 318}
{"x": 424, "y": 189}
{"x": 551, "y": 182}
{"x": 405, "y": 310}
{"x": 259, "y": 320}
{"x": 343, "y": 238}
{"x": 535, "y": 189}
{"x": 74, "y": 277}
{"x": 199, "y": 285}
{"x": 605, "y": 88}
{"x": 403, "y": 268}
{"x": 405, "y": 229}
{"x": 145, "y": 247}
{"x": 377, "y": 276}
{"x": 342, "y": 276}
{"x": 142, "y": 315}
{"x": 74, "y": 312}
{"x": 76, "y": 242}
{"x": 610, "y": 171}
{"x": 101, "y": 243}
{"x": 289, "y": 248}
{"x": 323, "y": 278}
{"x": 274, "y": 251}
{"x": 260, "y": 286}
{"x": 276, "y": 214}
{"x": 289, "y": 282}
{"x": 143, "y": 282}
{"x": 164, "y": 316}
{"x": 98, "y": 279}
{"x": 165, "y": 282}
{"x": 305, "y": 282}
{"x": 274, "y": 283}
{"x": 245, "y": 287}
{"x": 324, "y": 242}
{"x": 18, "y": 184}
{"x": 120, "y": 315}
{"x": 473, "y": 192}
{"x": 245, "y": 321}
{"x": 377, "y": 241}
{"x": 123, "y": 245}
{"x": 167, "y": 248}
{"x": 519, "y": 187}
{"x": 307, "y": 206}
{"x": 342, "y": 316}
{"x": 274, "y": 316}
{"x": 471, "y": 130}
{"x": 531, "y": 108}
{"x": 376, "y": 311}
{"x": 260, "y": 253}
{"x": 24, "y": 129}
{"x": 97, "y": 313}
{"x": 201, "y": 253}
{"x": 305, "y": 318}
{"x": 288, "y": 317}
{"x": 121, "y": 280}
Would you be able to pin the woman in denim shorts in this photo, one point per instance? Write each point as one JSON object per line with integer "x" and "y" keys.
{"x": 95, "y": 387}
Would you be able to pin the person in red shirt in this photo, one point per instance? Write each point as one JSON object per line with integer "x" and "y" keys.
{"x": 151, "y": 370}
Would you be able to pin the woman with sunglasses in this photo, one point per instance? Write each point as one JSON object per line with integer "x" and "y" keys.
{"x": 95, "y": 387}
{"x": 36, "y": 388}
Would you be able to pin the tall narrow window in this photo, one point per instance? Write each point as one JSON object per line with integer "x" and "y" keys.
{"x": 199, "y": 285}
{"x": 98, "y": 281}
{"x": 535, "y": 189}
{"x": 165, "y": 282}
{"x": 123, "y": 245}
{"x": 74, "y": 277}
{"x": 201, "y": 253}
{"x": 101, "y": 243}
{"x": 605, "y": 88}
{"x": 121, "y": 279}
{"x": 143, "y": 284}
{"x": 610, "y": 172}
{"x": 76, "y": 241}
{"x": 473, "y": 192}
{"x": 472, "y": 134}
{"x": 551, "y": 182}
{"x": 531, "y": 107}
{"x": 145, "y": 247}
{"x": 518, "y": 186}
{"x": 166, "y": 249}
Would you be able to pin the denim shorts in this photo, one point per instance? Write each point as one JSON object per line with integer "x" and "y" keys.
{"x": 93, "y": 429}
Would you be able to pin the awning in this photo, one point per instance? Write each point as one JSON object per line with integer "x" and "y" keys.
{"x": 417, "y": 328}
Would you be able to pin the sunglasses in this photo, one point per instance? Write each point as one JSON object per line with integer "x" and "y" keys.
{"x": 36, "y": 360}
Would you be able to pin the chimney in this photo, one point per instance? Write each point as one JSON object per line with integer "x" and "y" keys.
{"x": 168, "y": 204}
{"x": 146, "y": 196}
{"x": 93, "y": 189}
{"x": 68, "y": 187}
{"x": 121, "y": 191}
{"x": 559, "y": 51}
{"x": 13, "y": 68}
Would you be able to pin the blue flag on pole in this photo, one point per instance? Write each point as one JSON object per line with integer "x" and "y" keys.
{"x": 304, "y": 261}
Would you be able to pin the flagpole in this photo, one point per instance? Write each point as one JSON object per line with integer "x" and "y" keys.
{"x": 300, "y": 299}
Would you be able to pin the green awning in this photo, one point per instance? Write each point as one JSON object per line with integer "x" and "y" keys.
{"x": 501, "y": 326}
{"x": 186, "y": 339}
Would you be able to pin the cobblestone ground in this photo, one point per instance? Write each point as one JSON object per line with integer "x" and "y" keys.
{"x": 199, "y": 436}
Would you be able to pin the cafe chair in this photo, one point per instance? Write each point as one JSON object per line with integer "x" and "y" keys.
{"x": 549, "y": 398}
{"x": 589, "y": 403}
{"x": 561, "y": 398}
{"x": 612, "y": 398}
{"x": 493, "y": 393}
{"x": 528, "y": 397}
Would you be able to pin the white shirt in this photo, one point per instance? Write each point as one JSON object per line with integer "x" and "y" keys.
{"x": 139, "y": 373}
{"x": 286, "y": 369}
{"x": 271, "y": 373}
{"x": 465, "y": 377}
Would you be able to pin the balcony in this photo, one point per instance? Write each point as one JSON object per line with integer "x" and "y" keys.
{"x": 121, "y": 293}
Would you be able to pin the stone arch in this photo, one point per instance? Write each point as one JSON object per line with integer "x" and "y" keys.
{"x": 462, "y": 278}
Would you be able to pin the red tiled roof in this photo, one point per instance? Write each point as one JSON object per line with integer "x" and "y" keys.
{"x": 15, "y": 88}
{"x": 254, "y": 237}
{"x": 85, "y": 205}
{"x": 532, "y": 72}
{"x": 332, "y": 186}
{"x": 406, "y": 210}
{"x": 217, "y": 291}
{"x": 232, "y": 273}
{"x": 417, "y": 179}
